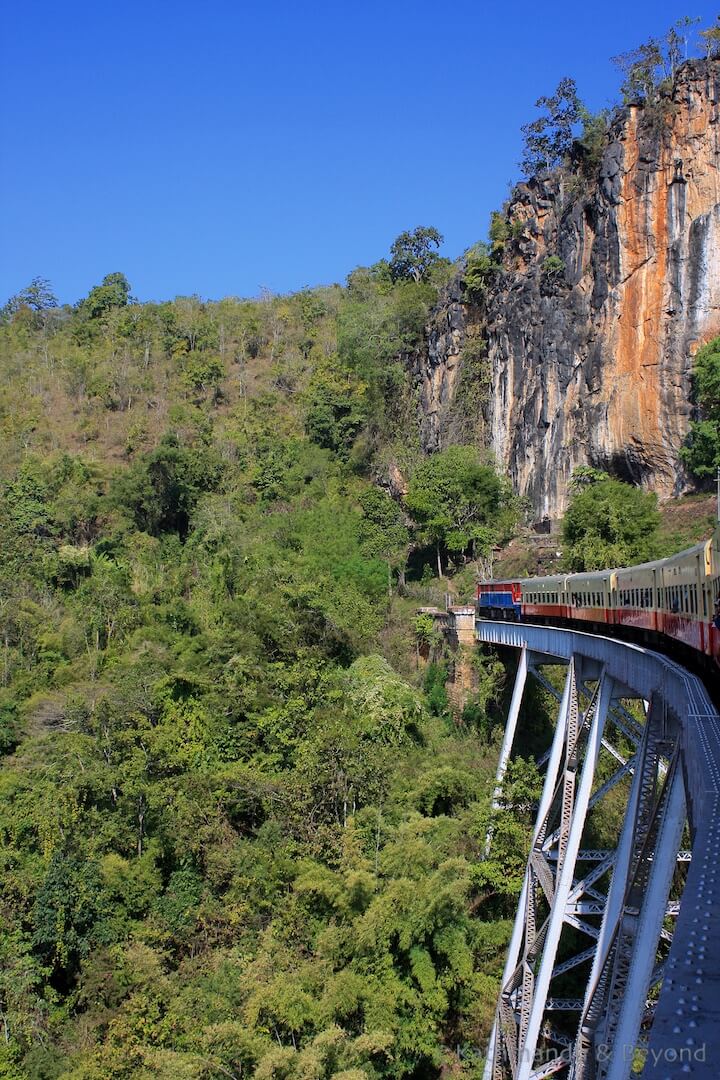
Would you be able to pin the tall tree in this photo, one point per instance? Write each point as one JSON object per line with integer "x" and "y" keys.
{"x": 609, "y": 523}
{"x": 383, "y": 532}
{"x": 412, "y": 255}
{"x": 38, "y": 296}
{"x": 454, "y": 498}
{"x": 547, "y": 140}
{"x": 114, "y": 292}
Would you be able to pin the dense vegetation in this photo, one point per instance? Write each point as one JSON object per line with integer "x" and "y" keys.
{"x": 235, "y": 839}
{"x": 609, "y": 523}
{"x": 701, "y": 453}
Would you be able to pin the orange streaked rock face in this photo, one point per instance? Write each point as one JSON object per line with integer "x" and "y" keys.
{"x": 591, "y": 365}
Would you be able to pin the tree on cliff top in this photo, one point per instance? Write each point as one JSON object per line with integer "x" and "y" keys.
{"x": 548, "y": 140}
{"x": 711, "y": 40}
{"x": 412, "y": 255}
{"x": 654, "y": 63}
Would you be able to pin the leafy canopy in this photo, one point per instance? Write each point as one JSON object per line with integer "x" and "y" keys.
{"x": 609, "y": 523}
{"x": 701, "y": 453}
{"x": 455, "y": 499}
{"x": 548, "y": 140}
{"x": 412, "y": 255}
{"x": 37, "y": 296}
{"x": 114, "y": 292}
{"x": 654, "y": 63}
{"x": 383, "y": 532}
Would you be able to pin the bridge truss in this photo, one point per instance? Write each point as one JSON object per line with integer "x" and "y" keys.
{"x": 606, "y": 965}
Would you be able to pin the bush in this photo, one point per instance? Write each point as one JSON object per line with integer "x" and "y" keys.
{"x": 701, "y": 452}
{"x": 609, "y": 523}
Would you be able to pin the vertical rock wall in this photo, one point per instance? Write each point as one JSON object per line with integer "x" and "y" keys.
{"x": 590, "y": 364}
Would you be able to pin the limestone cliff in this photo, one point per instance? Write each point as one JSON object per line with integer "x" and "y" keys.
{"x": 589, "y": 357}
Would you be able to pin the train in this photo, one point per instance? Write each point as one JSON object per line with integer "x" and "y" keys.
{"x": 673, "y": 601}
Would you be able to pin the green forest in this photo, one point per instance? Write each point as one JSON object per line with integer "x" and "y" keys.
{"x": 241, "y": 825}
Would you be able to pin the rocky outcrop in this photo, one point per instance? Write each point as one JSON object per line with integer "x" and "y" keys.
{"x": 438, "y": 368}
{"x": 607, "y": 290}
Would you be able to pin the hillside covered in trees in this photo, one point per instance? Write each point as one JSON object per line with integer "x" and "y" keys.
{"x": 240, "y": 829}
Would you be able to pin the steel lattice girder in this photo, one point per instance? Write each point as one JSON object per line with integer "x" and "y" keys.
{"x": 642, "y": 867}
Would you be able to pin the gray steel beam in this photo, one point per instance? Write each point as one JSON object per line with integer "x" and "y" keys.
{"x": 564, "y": 880}
{"x": 650, "y": 919}
{"x": 687, "y": 1012}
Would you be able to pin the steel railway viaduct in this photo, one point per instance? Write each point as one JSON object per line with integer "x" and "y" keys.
{"x": 642, "y": 965}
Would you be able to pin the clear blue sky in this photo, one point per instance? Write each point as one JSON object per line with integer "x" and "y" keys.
{"x": 218, "y": 147}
